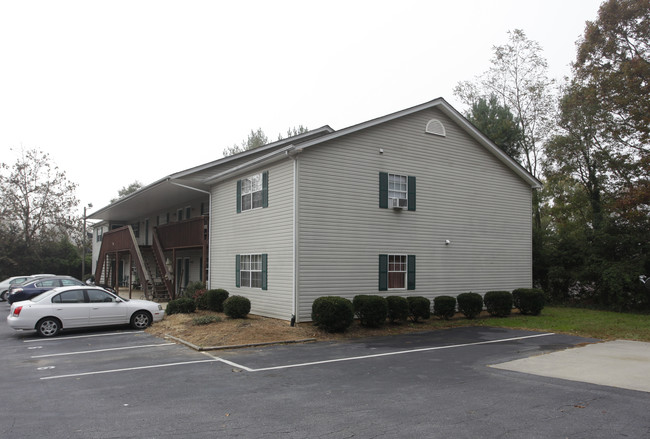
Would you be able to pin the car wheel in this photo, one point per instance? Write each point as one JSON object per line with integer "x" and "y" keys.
{"x": 48, "y": 327}
{"x": 3, "y": 296}
{"x": 140, "y": 320}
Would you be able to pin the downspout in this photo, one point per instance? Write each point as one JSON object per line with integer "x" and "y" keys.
{"x": 169, "y": 180}
{"x": 295, "y": 317}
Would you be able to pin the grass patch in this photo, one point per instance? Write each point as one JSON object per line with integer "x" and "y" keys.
{"x": 604, "y": 325}
{"x": 205, "y": 320}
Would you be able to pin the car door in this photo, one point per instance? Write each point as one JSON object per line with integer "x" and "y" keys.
{"x": 105, "y": 309}
{"x": 71, "y": 308}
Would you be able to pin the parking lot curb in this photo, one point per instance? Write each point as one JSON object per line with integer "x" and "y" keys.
{"x": 237, "y": 346}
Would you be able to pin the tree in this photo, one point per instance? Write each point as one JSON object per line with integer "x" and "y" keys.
{"x": 255, "y": 139}
{"x": 36, "y": 199}
{"x": 497, "y": 122}
{"x": 294, "y": 131}
{"x": 614, "y": 58}
{"x": 519, "y": 79}
{"x": 127, "y": 190}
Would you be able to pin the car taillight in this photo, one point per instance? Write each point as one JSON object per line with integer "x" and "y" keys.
{"x": 17, "y": 311}
{"x": 17, "y": 290}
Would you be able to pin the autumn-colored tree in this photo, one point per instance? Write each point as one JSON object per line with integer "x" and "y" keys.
{"x": 614, "y": 58}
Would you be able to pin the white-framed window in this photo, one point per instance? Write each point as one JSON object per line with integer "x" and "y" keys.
{"x": 250, "y": 271}
{"x": 397, "y": 265}
{"x": 398, "y": 187}
{"x": 251, "y": 192}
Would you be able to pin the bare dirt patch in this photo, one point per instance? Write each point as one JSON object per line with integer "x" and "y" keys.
{"x": 256, "y": 329}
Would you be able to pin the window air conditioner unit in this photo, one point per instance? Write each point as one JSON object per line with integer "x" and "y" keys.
{"x": 398, "y": 203}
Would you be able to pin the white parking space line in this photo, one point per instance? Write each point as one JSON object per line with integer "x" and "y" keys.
{"x": 40, "y": 340}
{"x": 213, "y": 359}
{"x": 127, "y": 369}
{"x": 386, "y": 354}
{"x": 104, "y": 350}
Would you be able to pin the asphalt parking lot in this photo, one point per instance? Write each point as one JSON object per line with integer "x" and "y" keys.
{"x": 119, "y": 383}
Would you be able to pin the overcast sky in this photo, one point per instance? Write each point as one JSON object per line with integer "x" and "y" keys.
{"x": 117, "y": 91}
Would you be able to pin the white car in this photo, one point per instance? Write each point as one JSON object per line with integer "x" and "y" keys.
{"x": 15, "y": 280}
{"x": 79, "y": 307}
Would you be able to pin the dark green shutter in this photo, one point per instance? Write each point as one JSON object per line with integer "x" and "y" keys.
{"x": 383, "y": 190}
{"x": 237, "y": 272}
{"x": 265, "y": 258}
{"x": 411, "y": 192}
{"x": 383, "y": 272}
{"x": 265, "y": 189}
{"x": 410, "y": 275}
{"x": 238, "y": 197}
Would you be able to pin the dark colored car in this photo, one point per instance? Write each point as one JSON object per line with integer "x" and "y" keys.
{"x": 34, "y": 287}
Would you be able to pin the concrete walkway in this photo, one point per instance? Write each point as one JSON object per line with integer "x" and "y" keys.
{"x": 621, "y": 363}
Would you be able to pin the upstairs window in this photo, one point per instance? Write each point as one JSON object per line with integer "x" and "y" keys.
{"x": 396, "y": 191}
{"x": 252, "y": 192}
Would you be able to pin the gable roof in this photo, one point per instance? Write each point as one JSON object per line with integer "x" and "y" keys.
{"x": 438, "y": 103}
{"x": 177, "y": 187}
{"x": 450, "y": 112}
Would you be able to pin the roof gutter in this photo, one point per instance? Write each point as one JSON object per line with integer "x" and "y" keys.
{"x": 275, "y": 156}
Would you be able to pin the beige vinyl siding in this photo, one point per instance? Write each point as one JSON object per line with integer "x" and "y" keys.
{"x": 464, "y": 195}
{"x": 265, "y": 230}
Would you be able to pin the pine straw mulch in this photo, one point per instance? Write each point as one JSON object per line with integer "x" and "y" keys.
{"x": 257, "y": 329}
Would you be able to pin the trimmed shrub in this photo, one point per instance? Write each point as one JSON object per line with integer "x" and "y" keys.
{"x": 371, "y": 310}
{"x": 398, "y": 308}
{"x": 470, "y": 304}
{"x": 419, "y": 308}
{"x": 444, "y": 307}
{"x": 528, "y": 300}
{"x": 184, "y": 305}
{"x": 192, "y": 287}
{"x": 332, "y": 313}
{"x": 201, "y": 299}
{"x": 215, "y": 299}
{"x": 237, "y": 307}
{"x": 205, "y": 320}
{"x": 498, "y": 303}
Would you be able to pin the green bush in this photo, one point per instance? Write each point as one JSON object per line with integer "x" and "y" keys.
{"x": 237, "y": 307}
{"x": 498, "y": 303}
{"x": 419, "y": 308}
{"x": 371, "y": 310}
{"x": 332, "y": 313}
{"x": 205, "y": 320}
{"x": 528, "y": 300}
{"x": 184, "y": 305}
{"x": 192, "y": 288}
{"x": 398, "y": 308}
{"x": 215, "y": 299}
{"x": 201, "y": 299}
{"x": 470, "y": 304}
{"x": 444, "y": 307}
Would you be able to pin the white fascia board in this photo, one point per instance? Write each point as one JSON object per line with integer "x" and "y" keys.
{"x": 454, "y": 115}
{"x": 290, "y": 140}
{"x": 275, "y": 156}
{"x": 490, "y": 146}
{"x": 128, "y": 197}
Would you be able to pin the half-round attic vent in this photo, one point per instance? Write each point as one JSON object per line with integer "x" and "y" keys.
{"x": 434, "y": 126}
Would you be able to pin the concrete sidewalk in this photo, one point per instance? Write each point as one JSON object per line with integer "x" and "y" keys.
{"x": 621, "y": 363}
